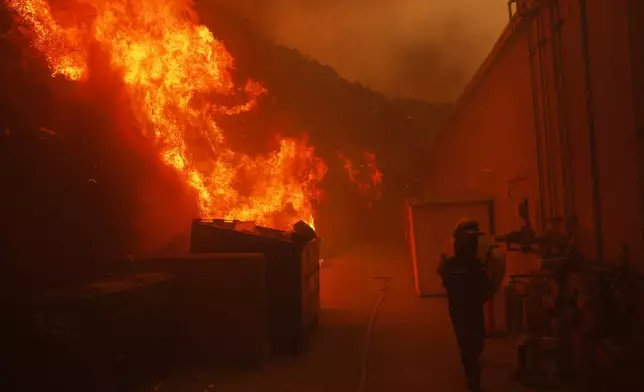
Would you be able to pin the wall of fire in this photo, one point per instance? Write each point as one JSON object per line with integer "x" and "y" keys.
{"x": 554, "y": 115}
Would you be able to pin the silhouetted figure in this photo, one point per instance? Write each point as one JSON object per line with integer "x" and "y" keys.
{"x": 463, "y": 268}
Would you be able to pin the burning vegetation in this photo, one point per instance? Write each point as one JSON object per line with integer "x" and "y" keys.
{"x": 178, "y": 81}
{"x": 366, "y": 176}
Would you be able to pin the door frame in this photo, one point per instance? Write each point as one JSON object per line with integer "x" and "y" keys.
{"x": 489, "y": 202}
{"x": 466, "y": 202}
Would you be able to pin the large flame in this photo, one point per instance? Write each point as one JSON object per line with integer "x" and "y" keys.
{"x": 173, "y": 69}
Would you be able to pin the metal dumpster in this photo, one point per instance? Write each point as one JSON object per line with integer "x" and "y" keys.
{"x": 220, "y": 304}
{"x": 125, "y": 330}
{"x": 292, "y": 275}
{"x": 111, "y": 334}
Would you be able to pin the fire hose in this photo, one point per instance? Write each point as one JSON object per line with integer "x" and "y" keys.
{"x": 372, "y": 320}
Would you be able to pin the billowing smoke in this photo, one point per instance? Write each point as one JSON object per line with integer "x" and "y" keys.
{"x": 425, "y": 49}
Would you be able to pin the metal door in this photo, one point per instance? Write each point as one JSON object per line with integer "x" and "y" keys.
{"x": 431, "y": 224}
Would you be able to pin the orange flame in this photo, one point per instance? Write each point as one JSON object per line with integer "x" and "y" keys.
{"x": 63, "y": 48}
{"x": 368, "y": 177}
{"x": 375, "y": 175}
{"x": 171, "y": 65}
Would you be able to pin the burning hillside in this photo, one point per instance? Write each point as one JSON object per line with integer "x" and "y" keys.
{"x": 178, "y": 81}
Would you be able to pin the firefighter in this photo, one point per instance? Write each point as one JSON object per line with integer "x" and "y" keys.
{"x": 471, "y": 270}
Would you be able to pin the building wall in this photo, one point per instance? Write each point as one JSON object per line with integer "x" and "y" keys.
{"x": 610, "y": 64}
{"x": 573, "y": 124}
{"x": 578, "y": 157}
{"x": 636, "y": 32}
{"x": 487, "y": 149}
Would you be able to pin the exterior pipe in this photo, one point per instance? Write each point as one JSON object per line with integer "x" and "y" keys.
{"x": 592, "y": 139}
{"x": 537, "y": 132}
{"x": 636, "y": 54}
{"x": 545, "y": 112}
{"x": 510, "y": 2}
{"x": 560, "y": 88}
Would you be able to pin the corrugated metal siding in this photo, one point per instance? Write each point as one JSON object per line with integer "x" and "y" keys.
{"x": 490, "y": 147}
{"x": 576, "y": 116}
{"x": 616, "y": 141}
{"x": 636, "y": 32}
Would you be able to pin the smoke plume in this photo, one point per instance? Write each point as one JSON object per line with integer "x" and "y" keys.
{"x": 424, "y": 49}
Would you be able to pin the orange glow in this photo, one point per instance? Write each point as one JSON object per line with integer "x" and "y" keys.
{"x": 172, "y": 67}
{"x": 63, "y": 48}
{"x": 368, "y": 178}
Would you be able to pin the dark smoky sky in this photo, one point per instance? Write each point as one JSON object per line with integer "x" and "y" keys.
{"x": 426, "y": 49}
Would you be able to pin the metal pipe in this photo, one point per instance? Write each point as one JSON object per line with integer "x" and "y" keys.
{"x": 537, "y": 131}
{"x": 592, "y": 138}
{"x": 560, "y": 88}
{"x": 636, "y": 54}
{"x": 510, "y": 2}
{"x": 545, "y": 106}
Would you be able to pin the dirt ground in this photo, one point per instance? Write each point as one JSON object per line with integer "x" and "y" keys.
{"x": 411, "y": 346}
